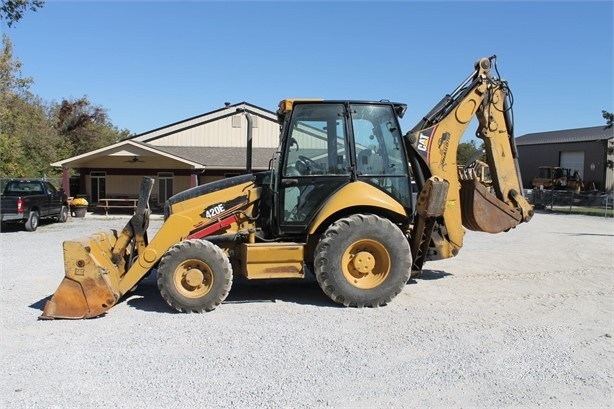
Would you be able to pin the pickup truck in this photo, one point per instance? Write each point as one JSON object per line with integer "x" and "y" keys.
{"x": 28, "y": 200}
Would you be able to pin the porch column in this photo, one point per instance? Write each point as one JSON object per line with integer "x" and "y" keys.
{"x": 193, "y": 179}
{"x": 66, "y": 180}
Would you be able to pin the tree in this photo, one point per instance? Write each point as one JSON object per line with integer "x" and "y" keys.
{"x": 85, "y": 126}
{"x": 23, "y": 122}
{"x": 10, "y": 71}
{"x": 34, "y": 134}
{"x": 609, "y": 118}
{"x": 29, "y": 142}
{"x": 12, "y": 10}
{"x": 468, "y": 151}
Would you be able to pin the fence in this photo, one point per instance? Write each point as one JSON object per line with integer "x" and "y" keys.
{"x": 593, "y": 203}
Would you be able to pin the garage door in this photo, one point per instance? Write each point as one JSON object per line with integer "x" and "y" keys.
{"x": 573, "y": 161}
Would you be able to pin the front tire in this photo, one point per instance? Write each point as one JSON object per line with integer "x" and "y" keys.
{"x": 362, "y": 261}
{"x": 194, "y": 276}
{"x": 32, "y": 222}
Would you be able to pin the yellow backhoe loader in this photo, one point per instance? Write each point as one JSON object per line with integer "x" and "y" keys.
{"x": 336, "y": 202}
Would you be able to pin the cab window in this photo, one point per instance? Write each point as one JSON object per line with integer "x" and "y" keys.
{"x": 316, "y": 158}
{"x": 380, "y": 159}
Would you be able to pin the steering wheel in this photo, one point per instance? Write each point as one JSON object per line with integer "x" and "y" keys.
{"x": 308, "y": 165}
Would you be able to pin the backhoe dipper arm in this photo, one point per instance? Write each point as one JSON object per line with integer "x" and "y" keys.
{"x": 436, "y": 138}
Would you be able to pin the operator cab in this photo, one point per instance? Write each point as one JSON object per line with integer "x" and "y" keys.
{"x": 328, "y": 144}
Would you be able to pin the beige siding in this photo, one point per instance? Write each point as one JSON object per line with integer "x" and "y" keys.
{"x": 181, "y": 183}
{"x": 118, "y": 185}
{"x": 207, "y": 179}
{"x": 127, "y": 185}
{"x": 130, "y": 185}
{"x": 218, "y": 129}
{"x": 310, "y": 138}
{"x": 221, "y": 133}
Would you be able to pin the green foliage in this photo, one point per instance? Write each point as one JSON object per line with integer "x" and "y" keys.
{"x": 28, "y": 141}
{"x": 12, "y": 11}
{"x": 84, "y": 126}
{"x": 34, "y": 134}
{"x": 468, "y": 152}
{"x": 609, "y": 118}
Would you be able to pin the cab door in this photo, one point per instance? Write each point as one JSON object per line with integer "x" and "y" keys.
{"x": 53, "y": 202}
{"x": 315, "y": 162}
{"x": 381, "y": 159}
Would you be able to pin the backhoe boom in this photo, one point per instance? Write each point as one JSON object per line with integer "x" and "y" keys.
{"x": 436, "y": 138}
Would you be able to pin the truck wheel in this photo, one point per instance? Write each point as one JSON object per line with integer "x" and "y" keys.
{"x": 362, "y": 260}
{"x": 194, "y": 276}
{"x": 32, "y": 222}
{"x": 63, "y": 216}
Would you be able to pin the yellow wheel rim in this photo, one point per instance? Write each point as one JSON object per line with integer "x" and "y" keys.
{"x": 193, "y": 278}
{"x": 366, "y": 264}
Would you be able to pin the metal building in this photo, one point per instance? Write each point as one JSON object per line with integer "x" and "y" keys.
{"x": 590, "y": 151}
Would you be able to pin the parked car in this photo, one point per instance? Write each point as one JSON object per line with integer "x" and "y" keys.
{"x": 27, "y": 201}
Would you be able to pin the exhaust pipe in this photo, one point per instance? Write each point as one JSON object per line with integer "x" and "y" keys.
{"x": 248, "y": 155}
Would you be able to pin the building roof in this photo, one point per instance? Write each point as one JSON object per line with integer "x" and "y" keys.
{"x": 595, "y": 133}
{"x": 197, "y": 157}
{"x": 123, "y": 149}
{"x": 221, "y": 157}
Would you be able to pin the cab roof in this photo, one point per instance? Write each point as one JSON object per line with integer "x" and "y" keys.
{"x": 286, "y": 105}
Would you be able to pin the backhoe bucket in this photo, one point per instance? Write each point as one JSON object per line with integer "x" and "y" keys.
{"x": 91, "y": 283}
{"x": 483, "y": 211}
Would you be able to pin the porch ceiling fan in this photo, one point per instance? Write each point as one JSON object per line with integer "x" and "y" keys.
{"x": 135, "y": 159}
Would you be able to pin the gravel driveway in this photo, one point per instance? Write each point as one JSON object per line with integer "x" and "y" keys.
{"x": 523, "y": 318}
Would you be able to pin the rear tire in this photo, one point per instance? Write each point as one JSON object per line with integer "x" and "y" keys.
{"x": 63, "y": 216}
{"x": 194, "y": 276}
{"x": 362, "y": 261}
{"x": 32, "y": 222}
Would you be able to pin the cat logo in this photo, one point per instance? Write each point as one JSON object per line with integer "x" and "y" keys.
{"x": 423, "y": 142}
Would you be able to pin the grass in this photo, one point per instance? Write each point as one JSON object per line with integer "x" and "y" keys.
{"x": 588, "y": 211}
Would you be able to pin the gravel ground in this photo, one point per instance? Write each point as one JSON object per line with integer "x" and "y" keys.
{"x": 521, "y": 319}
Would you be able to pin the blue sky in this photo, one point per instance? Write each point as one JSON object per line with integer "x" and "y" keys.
{"x": 152, "y": 63}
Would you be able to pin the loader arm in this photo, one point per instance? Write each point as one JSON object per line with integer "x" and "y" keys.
{"x": 100, "y": 269}
{"x": 469, "y": 203}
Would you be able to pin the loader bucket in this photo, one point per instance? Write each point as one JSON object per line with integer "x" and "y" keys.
{"x": 91, "y": 283}
{"x": 94, "y": 266}
{"x": 483, "y": 211}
